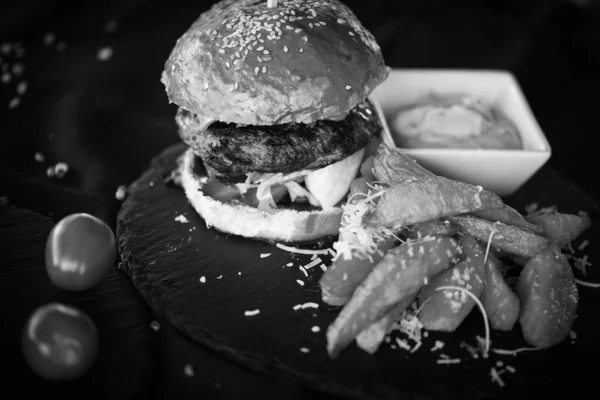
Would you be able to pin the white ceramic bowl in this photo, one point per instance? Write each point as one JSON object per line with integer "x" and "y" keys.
{"x": 501, "y": 171}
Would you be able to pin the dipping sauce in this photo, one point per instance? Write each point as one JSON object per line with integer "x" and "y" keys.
{"x": 462, "y": 122}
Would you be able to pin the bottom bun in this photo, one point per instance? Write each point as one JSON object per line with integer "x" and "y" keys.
{"x": 284, "y": 225}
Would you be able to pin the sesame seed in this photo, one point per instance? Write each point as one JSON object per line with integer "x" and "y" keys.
{"x": 206, "y": 86}
{"x": 256, "y": 70}
{"x": 214, "y": 32}
{"x": 298, "y": 30}
{"x": 340, "y": 21}
{"x": 351, "y": 33}
{"x": 348, "y": 87}
{"x": 266, "y": 52}
{"x": 301, "y": 50}
{"x": 235, "y": 85}
{"x": 259, "y": 59}
{"x": 261, "y": 48}
{"x": 305, "y": 38}
{"x": 221, "y": 51}
{"x": 285, "y": 49}
{"x": 264, "y": 69}
{"x": 228, "y": 64}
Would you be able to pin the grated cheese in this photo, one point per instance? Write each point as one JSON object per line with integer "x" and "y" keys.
{"x": 323, "y": 267}
{"x": 310, "y": 304}
{"x": 304, "y": 350}
{"x": 301, "y": 251}
{"x": 265, "y": 255}
{"x": 313, "y": 263}
{"x": 483, "y": 314}
{"x": 583, "y": 244}
{"x": 448, "y": 361}
{"x": 181, "y": 218}
{"x": 300, "y": 282}
{"x": 507, "y": 352}
{"x": 437, "y": 346}
{"x": 251, "y": 313}
{"x": 301, "y": 268}
{"x": 588, "y": 284}
{"x": 496, "y": 377}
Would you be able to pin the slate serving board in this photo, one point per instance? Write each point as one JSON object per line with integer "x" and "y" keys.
{"x": 203, "y": 282}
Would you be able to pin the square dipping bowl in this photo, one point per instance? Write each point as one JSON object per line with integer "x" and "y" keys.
{"x": 500, "y": 171}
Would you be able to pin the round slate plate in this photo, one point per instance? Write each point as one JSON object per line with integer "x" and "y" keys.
{"x": 204, "y": 282}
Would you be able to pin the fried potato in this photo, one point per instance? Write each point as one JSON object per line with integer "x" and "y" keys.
{"x": 398, "y": 276}
{"x": 548, "y": 294}
{"x": 420, "y": 201}
{"x": 370, "y": 338}
{"x": 505, "y": 237}
{"x": 500, "y": 303}
{"x": 436, "y": 227}
{"x": 559, "y": 227}
{"x": 391, "y": 165}
{"x": 344, "y": 275}
{"x": 444, "y": 310}
{"x": 508, "y": 216}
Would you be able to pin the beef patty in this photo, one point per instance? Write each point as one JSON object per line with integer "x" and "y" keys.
{"x": 229, "y": 151}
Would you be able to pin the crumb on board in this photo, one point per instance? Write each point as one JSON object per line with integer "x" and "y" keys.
{"x": 181, "y": 218}
{"x": 265, "y": 255}
{"x": 39, "y": 157}
{"x": 300, "y": 282}
{"x": 155, "y": 325}
{"x": 105, "y": 53}
{"x": 188, "y": 370}
{"x": 121, "y": 192}
{"x": 202, "y": 279}
{"x": 315, "y": 329}
{"x": 304, "y": 350}
{"x": 251, "y": 313}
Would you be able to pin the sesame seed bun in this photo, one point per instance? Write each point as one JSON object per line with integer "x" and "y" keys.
{"x": 284, "y": 225}
{"x": 242, "y": 62}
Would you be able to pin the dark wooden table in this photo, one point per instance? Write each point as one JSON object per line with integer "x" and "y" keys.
{"x": 80, "y": 85}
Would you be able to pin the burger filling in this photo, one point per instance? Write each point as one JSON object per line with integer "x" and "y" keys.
{"x": 292, "y": 165}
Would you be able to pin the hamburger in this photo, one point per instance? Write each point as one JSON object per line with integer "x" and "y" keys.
{"x": 273, "y": 105}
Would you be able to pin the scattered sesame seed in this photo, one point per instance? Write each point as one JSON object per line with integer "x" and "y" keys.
{"x": 348, "y": 87}
{"x": 298, "y": 30}
{"x": 228, "y": 64}
{"x": 305, "y": 38}
{"x": 202, "y": 279}
{"x": 22, "y": 88}
{"x": 285, "y": 49}
{"x": 351, "y": 33}
{"x": 121, "y": 192}
{"x": 301, "y": 50}
{"x": 188, "y": 370}
{"x": 340, "y": 21}
{"x": 49, "y": 38}
{"x": 14, "y": 103}
{"x": 104, "y": 53}
{"x": 264, "y": 69}
{"x": 155, "y": 326}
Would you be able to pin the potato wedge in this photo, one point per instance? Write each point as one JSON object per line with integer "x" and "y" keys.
{"x": 435, "y": 227}
{"x": 391, "y": 165}
{"x": 444, "y": 310}
{"x": 559, "y": 227}
{"x": 505, "y": 237}
{"x": 508, "y": 216}
{"x": 548, "y": 294}
{"x": 344, "y": 275}
{"x": 420, "y": 201}
{"x": 501, "y": 304}
{"x": 370, "y": 338}
{"x": 399, "y": 275}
